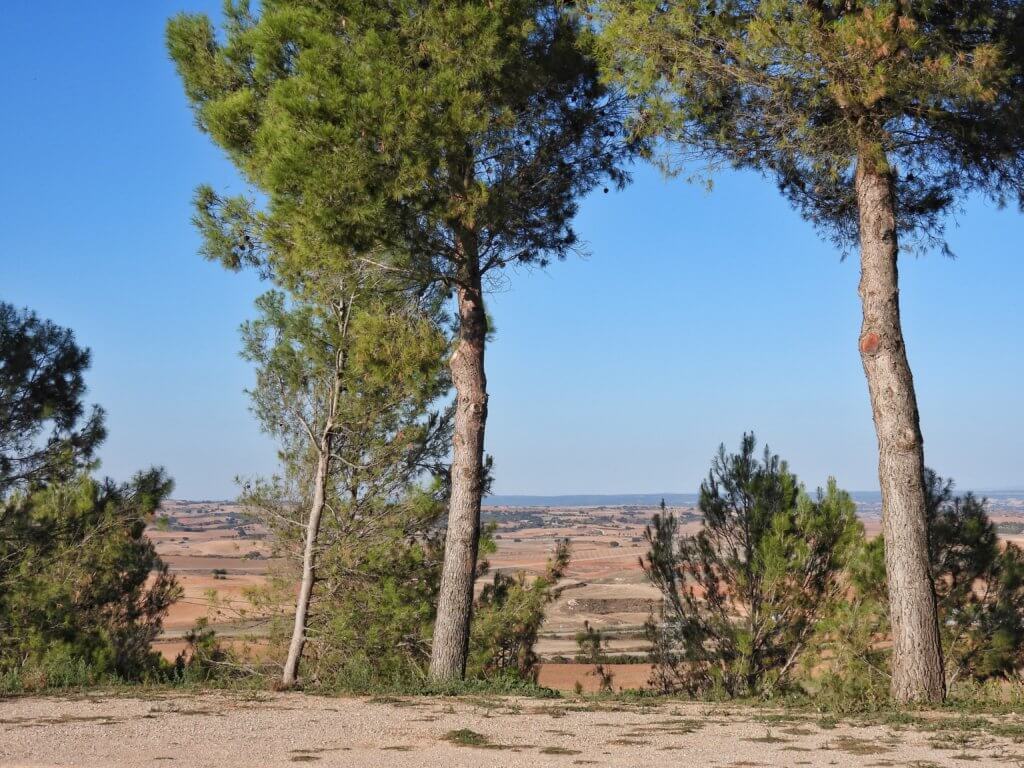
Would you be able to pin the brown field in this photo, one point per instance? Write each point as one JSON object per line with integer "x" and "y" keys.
{"x": 604, "y": 585}
{"x": 563, "y": 677}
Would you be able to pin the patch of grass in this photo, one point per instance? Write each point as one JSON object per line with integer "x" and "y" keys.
{"x": 896, "y": 720}
{"x": 550, "y": 711}
{"x": 768, "y": 738}
{"x": 856, "y": 746}
{"x": 677, "y": 726}
{"x": 464, "y": 737}
{"x": 962, "y": 741}
{"x": 394, "y": 701}
{"x": 776, "y": 718}
{"x": 1012, "y": 731}
{"x": 559, "y": 751}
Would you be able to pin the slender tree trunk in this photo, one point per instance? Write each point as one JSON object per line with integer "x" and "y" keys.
{"x": 917, "y": 673}
{"x": 291, "y": 667}
{"x": 455, "y": 599}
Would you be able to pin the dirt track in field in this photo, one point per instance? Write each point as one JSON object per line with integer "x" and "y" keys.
{"x": 236, "y": 731}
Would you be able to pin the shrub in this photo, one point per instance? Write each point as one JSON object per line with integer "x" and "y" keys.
{"x": 979, "y": 589}
{"x": 742, "y": 597}
{"x": 375, "y": 605}
{"x": 82, "y": 591}
{"x": 507, "y": 617}
{"x": 591, "y": 644}
{"x": 204, "y": 659}
{"x": 847, "y": 666}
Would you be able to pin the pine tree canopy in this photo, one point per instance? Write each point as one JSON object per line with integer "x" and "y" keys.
{"x": 932, "y": 91}
{"x": 423, "y": 129}
{"x": 45, "y": 433}
{"x": 364, "y": 370}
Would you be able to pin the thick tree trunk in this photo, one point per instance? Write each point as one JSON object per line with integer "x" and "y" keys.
{"x": 455, "y": 599}
{"x": 291, "y": 667}
{"x": 917, "y": 652}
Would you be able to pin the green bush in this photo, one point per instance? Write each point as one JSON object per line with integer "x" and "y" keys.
{"x": 83, "y": 592}
{"x": 742, "y": 598}
{"x": 507, "y": 617}
{"x": 979, "y": 588}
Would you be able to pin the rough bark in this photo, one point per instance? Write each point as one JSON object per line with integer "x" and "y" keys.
{"x": 291, "y": 667}
{"x": 455, "y": 598}
{"x": 917, "y": 651}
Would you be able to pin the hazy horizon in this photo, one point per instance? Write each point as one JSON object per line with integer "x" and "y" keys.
{"x": 627, "y": 499}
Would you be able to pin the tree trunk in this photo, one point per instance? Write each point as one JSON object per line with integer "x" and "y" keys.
{"x": 455, "y": 599}
{"x": 917, "y": 673}
{"x": 291, "y": 667}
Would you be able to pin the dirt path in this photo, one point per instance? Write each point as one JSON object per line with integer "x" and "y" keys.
{"x": 234, "y": 731}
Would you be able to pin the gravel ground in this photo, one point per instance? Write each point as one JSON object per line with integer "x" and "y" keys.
{"x": 236, "y": 731}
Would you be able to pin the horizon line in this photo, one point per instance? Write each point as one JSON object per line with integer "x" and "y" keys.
{"x": 637, "y": 495}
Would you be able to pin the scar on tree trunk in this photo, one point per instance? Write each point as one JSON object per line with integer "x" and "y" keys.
{"x": 455, "y": 598}
{"x": 917, "y": 667}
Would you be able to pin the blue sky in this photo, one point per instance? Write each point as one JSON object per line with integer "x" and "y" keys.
{"x": 696, "y": 315}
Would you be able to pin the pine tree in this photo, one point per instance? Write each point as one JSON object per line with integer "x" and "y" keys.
{"x": 439, "y": 141}
{"x": 743, "y": 596}
{"x": 346, "y": 382}
{"x": 873, "y": 117}
{"x": 83, "y": 592}
{"x": 979, "y": 585}
{"x": 509, "y": 614}
{"x": 45, "y": 434}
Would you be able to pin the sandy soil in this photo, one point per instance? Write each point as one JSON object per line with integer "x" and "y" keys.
{"x": 278, "y": 730}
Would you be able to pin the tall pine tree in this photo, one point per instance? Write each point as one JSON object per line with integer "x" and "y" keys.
{"x": 345, "y": 384}
{"x": 872, "y": 116}
{"x": 441, "y": 141}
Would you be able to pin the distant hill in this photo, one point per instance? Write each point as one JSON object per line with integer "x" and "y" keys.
{"x": 868, "y": 502}
{"x": 593, "y": 500}
{"x": 865, "y": 499}
{"x": 625, "y": 499}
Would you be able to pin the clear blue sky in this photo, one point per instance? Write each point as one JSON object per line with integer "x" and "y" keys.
{"x": 696, "y": 315}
